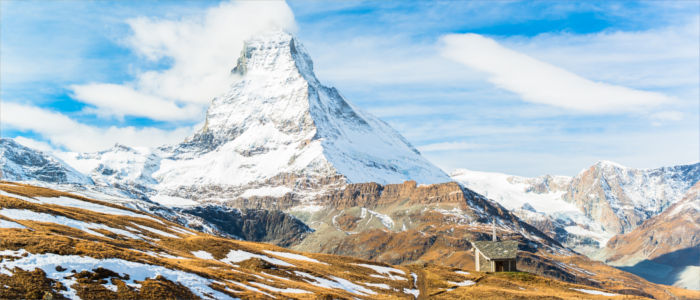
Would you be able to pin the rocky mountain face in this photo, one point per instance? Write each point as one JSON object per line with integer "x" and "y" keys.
{"x": 20, "y": 163}
{"x": 665, "y": 248}
{"x": 585, "y": 211}
{"x": 259, "y": 225}
{"x": 277, "y": 131}
{"x": 540, "y": 202}
{"x": 636, "y": 219}
{"x": 621, "y": 198}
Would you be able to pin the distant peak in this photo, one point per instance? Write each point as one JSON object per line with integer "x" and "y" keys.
{"x": 607, "y": 163}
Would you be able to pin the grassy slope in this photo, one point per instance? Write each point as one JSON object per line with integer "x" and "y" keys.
{"x": 175, "y": 253}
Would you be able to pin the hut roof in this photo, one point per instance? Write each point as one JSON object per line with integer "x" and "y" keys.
{"x": 497, "y": 250}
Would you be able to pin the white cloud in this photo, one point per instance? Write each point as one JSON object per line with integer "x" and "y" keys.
{"x": 539, "y": 82}
{"x": 659, "y": 58}
{"x": 120, "y": 100}
{"x": 34, "y": 144}
{"x": 361, "y": 61}
{"x": 201, "y": 50}
{"x": 74, "y": 136}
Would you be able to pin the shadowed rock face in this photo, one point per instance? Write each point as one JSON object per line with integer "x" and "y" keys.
{"x": 256, "y": 225}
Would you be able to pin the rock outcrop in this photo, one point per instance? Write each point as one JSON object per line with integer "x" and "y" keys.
{"x": 257, "y": 225}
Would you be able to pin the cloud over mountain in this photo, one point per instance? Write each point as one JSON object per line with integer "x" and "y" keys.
{"x": 540, "y": 82}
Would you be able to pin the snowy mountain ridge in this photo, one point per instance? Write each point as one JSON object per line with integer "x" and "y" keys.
{"x": 20, "y": 163}
{"x": 276, "y": 130}
{"x": 586, "y": 210}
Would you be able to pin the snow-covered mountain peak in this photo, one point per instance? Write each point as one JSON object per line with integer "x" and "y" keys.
{"x": 279, "y": 119}
{"x": 276, "y": 131}
{"x": 273, "y": 51}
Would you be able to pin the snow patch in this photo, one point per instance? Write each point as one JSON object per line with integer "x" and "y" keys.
{"x": 594, "y": 292}
{"x": 24, "y": 214}
{"x": 10, "y": 224}
{"x": 337, "y": 283}
{"x": 279, "y": 290}
{"x": 235, "y": 256}
{"x": 156, "y": 231}
{"x": 293, "y": 256}
{"x": 385, "y": 270}
{"x": 462, "y": 283}
{"x": 136, "y": 271}
{"x": 72, "y": 202}
{"x": 383, "y": 286}
{"x": 386, "y": 220}
{"x": 202, "y": 254}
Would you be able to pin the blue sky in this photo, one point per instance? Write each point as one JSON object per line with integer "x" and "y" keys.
{"x": 526, "y": 88}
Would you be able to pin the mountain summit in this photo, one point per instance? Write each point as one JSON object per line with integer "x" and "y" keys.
{"x": 276, "y": 130}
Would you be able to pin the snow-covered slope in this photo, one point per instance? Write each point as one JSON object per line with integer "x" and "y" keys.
{"x": 128, "y": 169}
{"x": 20, "y": 163}
{"x": 540, "y": 202}
{"x": 276, "y": 130}
{"x": 588, "y": 209}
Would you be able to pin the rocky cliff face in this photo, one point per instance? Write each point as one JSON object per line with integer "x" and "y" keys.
{"x": 364, "y": 220}
{"x": 371, "y": 195}
{"x": 275, "y": 227}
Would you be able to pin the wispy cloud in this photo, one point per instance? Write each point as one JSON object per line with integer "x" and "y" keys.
{"x": 62, "y": 131}
{"x": 120, "y": 100}
{"x": 539, "y": 82}
{"x": 34, "y": 144}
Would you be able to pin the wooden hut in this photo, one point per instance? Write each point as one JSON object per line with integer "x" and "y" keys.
{"x": 493, "y": 256}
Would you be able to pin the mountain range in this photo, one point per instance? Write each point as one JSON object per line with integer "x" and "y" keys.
{"x": 283, "y": 159}
{"x": 606, "y": 201}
